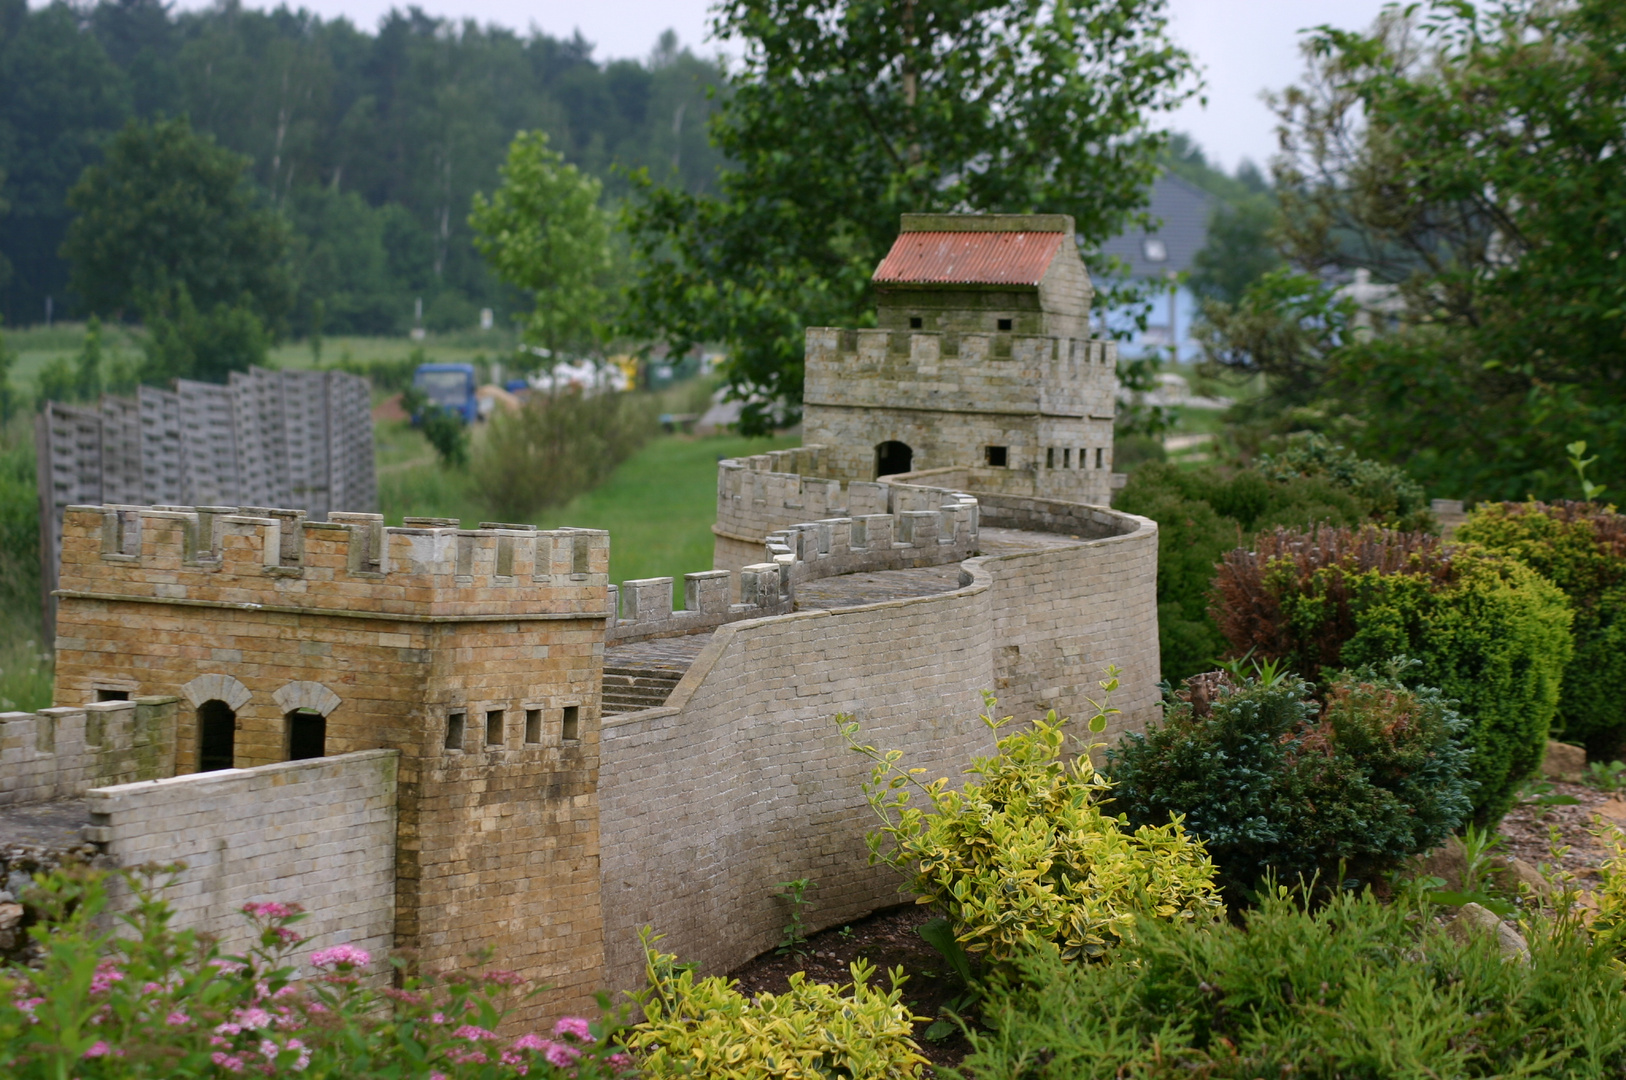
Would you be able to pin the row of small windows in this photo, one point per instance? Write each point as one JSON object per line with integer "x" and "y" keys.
{"x": 304, "y": 736}
{"x": 916, "y": 323}
{"x": 496, "y": 727}
{"x": 1066, "y": 455}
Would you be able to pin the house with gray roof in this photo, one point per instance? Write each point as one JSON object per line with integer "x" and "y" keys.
{"x": 1180, "y": 212}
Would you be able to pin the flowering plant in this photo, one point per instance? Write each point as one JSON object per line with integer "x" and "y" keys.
{"x": 154, "y": 1001}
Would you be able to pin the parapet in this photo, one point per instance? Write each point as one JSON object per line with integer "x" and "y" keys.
{"x": 62, "y": 753}
{"x": 274, "y": 559}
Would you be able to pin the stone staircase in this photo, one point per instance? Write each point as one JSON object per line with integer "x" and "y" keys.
{"x": 642, "y": 674}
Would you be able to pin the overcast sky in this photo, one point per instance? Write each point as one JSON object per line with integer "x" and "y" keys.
{"x": 1244, "y": 46}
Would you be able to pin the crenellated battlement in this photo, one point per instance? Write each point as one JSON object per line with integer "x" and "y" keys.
{"x": 352, "y": 564}
{"x": 64, "y": 752}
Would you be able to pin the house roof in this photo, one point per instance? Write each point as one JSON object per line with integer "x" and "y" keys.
{"x": 1180, "y": 213}
{"x": 969, "y": 258}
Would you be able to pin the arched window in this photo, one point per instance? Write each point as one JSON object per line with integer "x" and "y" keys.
{"x": 217, "y": 736}
{"x": 307, "y": 734}
{"x": 892, "y": 457}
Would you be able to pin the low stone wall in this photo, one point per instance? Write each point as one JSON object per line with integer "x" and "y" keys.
{"x": 320, "y": 833}
{"x": 62, "y": 753}
{"x": 742, "y": 780}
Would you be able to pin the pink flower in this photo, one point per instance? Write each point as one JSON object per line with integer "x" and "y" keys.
{"x": 253, "y": 1019}
{"x": 438, "y": 1076}
{"x": 574, "y": 1026}
{"x": 106, "y": 975}
{"x": 437, "y": 1018}
{"x": 516, "y": 1061}
{"x": 465, "y": 1057}
{"x": 227, "y": 967}
{"x": 561, "y": 1054}
{"x": 227, "y": 1061}
{"x": 177, "y": 1019}
{"x": 530, "y": 1042}
{"x": 472, "y": 1033}
{"x": 270, "y": 910}
{"x": 97, "y": 1049}
{"x": 505, "y": 978}
{"x": 345, "y": 955}
{"x": 152, "y": 988}
{"x": 228, "y": 1029}
{"x": 287, "y": 936}
{"x": 28, "y": 1005}
{"x": 621, "y": 1061}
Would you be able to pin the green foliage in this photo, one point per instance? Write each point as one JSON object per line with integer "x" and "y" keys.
{"x": 1202, "y": 514}
{"x": 1606, "y": 775}
{"x": 794, "y": 893}
{"x": 706, "y": 1028}
{"x": 1581, "y": 463}
{"x": 8, "y": 393}
{"x": 1286, "y": 325}
{"x": 1394, "y": 499}
{"x": 1353, "y": 987}
{"x": 1274, "y": 782}
{"x": 1488, "y": 631}
{"x": 543, "y": 232}
{"x": 134, "y": 996}
{"x": 555, "y": 447}
{"x": 1581, "y": 548}
{"x": 168, "y": 220}
{"x": 1239, "y": 249}
{"x": 843, "y": 114}
{"x": 186, "y": 343}
{"x": 1025, "y": 858}
{"x": 1609, "y": 919}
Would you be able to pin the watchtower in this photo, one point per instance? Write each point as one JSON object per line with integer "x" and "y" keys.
{"x": 477, "y": 653}
{"x": 981, "y": 361}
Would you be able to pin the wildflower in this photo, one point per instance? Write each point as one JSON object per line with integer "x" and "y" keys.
{"x": 340, "y": 955}
{"x": 97, "y": 1049}
{"x": 304, "y": 1058}
{"x": 561, "y": 1054}
{"x": 621, "y": 1062}
{"x": 287, "y": 936}
{"x": 252, "y": 1019}
{"x": 472, "y": 1033}
{"x": 271, "y": 910}
{"x": 437, "y": 1018}
{"x": 177, "y": 1019}
{"x": 28, "y": 1005}
{"x": 574, "y": 1026}
{"x": 505, "y": 978}
{"x": 227, "y": 967}
{"x": 152, "y": 988}
{"x": 465, "y": 1057}
{"x": 228, "y": 1028}
{"x": 106, "y": 975}
{"x": 229, "y": 1062}
{"x": 530, "y": 1042}
{"x": 516, "y": 1062}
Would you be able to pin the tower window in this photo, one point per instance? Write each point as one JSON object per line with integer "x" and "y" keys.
{"x": 454, "y": 730}
{"x": 916, "y": 322}
{"x": 1050, "y": 457}
{"x": 533, "y": 725}
{"x": 1067, "y": 457}
{"x": 571, "y": 729}
{"x": 1098, "y": 457}
{"x": 1004, "y": 324}
{"x": 307, "y": 735}
{"x": 494, "y": 727}
{"x": 103, "y": 694}
{"x": 217, "y": 736}
{"x": 998, "y": 456}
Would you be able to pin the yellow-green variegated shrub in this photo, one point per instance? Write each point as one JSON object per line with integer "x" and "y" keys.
{"x": 1026, "y": 857}
{"x": 705, "y": 1029}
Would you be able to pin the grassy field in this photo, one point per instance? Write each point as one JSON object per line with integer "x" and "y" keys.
{"x": 658, "y": 506}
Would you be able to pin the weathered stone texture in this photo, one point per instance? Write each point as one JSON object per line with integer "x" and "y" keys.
{"x": 59, "y": 753}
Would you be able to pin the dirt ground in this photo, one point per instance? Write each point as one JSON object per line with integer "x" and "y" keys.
{"x": 1525, "y": 830}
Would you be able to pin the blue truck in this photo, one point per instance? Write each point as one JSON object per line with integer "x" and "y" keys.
{"x": 451, "y": 386}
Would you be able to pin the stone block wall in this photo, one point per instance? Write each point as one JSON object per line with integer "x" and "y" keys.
{"x": 63, "y": 752}
{"x": 320, "y": 833}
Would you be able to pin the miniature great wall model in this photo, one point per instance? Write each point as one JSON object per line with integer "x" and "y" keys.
{"x": 441, "y": 738}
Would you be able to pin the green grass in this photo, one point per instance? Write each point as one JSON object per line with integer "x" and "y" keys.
{"x": 659, "y": 506}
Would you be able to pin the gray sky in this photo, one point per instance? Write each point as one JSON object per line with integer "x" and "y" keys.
{"x": 1244, "y": 46}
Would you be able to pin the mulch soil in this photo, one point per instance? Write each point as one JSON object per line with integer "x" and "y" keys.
{"x": 887, "y": 939}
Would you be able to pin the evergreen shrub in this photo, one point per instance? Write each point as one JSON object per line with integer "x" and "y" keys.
{"x": 1581, "y": 548}
{"x": 1489, "y": 632}
{"x": 1203, "y": 513}
{"x": 1272, "y": 781}
{"x": 1027, "y": 858}
{"x": 1352, "y": 987}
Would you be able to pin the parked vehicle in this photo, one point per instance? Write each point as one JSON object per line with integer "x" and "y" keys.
{"x": 450, "y": 386}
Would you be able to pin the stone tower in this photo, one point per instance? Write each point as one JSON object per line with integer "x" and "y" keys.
{"x": 476, "y": 653}
{"x": 981, "y": 363}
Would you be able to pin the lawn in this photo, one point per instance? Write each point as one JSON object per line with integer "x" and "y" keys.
{"x": 658, "y": 507}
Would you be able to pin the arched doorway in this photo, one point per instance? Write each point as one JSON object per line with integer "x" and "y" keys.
{"x": 892, "y": 457}
{"x": 307, "y": 734}
{"x": 217, "y": 736}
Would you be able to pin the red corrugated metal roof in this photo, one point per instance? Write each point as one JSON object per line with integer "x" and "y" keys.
{"x": 971, "y": 258}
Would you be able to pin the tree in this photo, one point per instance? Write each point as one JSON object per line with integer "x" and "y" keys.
{"x": 171, "y": 213}
{"x": 843, "y": 114}
{"x": 1475, "y": 158}
{"x": 186, "y": 343}
{"x": 544, "y": 232}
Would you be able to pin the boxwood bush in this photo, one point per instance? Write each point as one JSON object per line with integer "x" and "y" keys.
{"x": 1203, "y": 513}
{"x": 1487, "y": 630}
{"x": 1275, "y": 782}
{"x": 1581, "y": 548}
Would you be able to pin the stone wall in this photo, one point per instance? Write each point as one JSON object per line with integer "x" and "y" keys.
{"x": 742, "y": 781}
{"x": 320, "y": 833}
{"x": 62, "y": 753}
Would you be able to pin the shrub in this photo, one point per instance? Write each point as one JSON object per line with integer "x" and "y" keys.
{"x": 1203, "y": 513}
{"x": 1026, "y": 858}
{"x": 156, "y": 1002}
{"x": 1352, "y": 988}
{"x": 1392, "y": 498}
{"x": 707, "y": 1028}
{"x": 1488, "y": 631}
{"x": 555, "y": 448}
{"x": 1581, "y": 548}
{"x": 1272, "y": 781}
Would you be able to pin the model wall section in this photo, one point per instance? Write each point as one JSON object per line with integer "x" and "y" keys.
{"x": 743, "y": 780}
{"x": 320, "y": 833}
{"x": 62, "y": 753}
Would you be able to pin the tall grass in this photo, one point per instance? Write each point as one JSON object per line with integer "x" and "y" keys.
{"x": 25, "y": 661}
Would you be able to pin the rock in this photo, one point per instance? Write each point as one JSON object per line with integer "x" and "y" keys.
{"x": 1511, "y": 873}
{"x": 1448, "y": 862}
{"x": 1474, "y": 919}
{"x": 1614, "y": 809}
{"x": 1564, "y": 762}
{"x": 11, "y": 918}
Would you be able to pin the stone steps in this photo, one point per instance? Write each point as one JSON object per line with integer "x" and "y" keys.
{"x": 629, "y": 689}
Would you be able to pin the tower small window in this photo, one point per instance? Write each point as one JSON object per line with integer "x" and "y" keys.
{"x": 916, "y": 322}
{"x": 307, "y": 735}
{"x": 454, "y": 730}
{"x": 1098, "y": 457}
{"x": 494, "y": 727}
{"x": 1004, "y": 324}
{"x": 571, "y": 729}
{"x": 533, "y": 725}
{"x": 998, "y": 456}
{"x": 103, "y": 694}
{"x": 1050, "y": 457}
